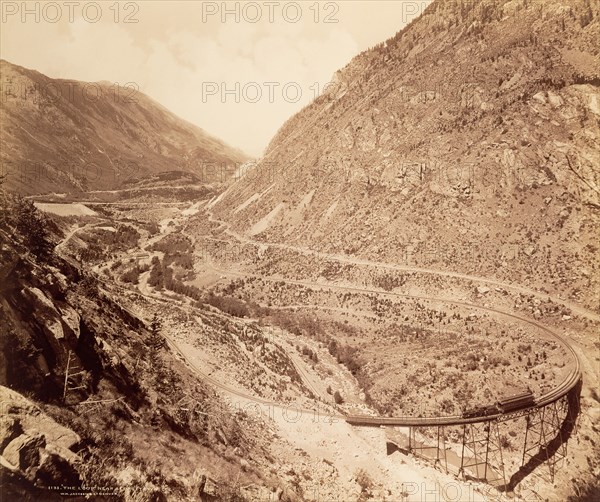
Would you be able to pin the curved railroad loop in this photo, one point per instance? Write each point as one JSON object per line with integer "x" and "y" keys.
{"x": 529, "y": 402}
{"x": 488, "y": 413}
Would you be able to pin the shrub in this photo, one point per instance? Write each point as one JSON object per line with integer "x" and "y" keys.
{"x": 364, "y": 480}
{"x": 388, "y": 282}
{"x": 152, "y": 228}
{"x": 337, "y": 397}
{"x": 174, "y": 244}
{"x": 156, "y": 278}
{"x": 125, "y": 237}
{"x": 230, "y": 305}
{"x": 132, "y": 276}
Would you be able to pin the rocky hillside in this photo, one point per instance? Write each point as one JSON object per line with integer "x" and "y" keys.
{"x": 467, "y": 142}
{"x": 94, "y": 404}
{"x": 64, "y": 135}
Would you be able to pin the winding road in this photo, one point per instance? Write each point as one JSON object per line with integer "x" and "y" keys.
{"x": 554, "y": 395}
{"x": 584, "y": 312}
{"x": 362, "y": 420}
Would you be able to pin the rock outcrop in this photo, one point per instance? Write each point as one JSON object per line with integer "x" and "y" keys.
{"x": 35, "y": 447}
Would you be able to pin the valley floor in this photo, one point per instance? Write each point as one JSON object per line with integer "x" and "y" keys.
{"x": 318, "y": 452}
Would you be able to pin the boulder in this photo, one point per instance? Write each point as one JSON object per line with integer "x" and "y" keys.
{"x": 56, "y": 470}
{"x": 554, "y": 99}
{"x": 56, "y": 433}
{"x": 210, "y": 488}
{"x": 540, "y": 97}
{"x": 10, "y": 428}
{"x": 71, "y": 319}
{"x": 64, "y": 453}
{"x": 45, "y": 314}
{"x": 32, "y": 420}
{"x": 35, "y": 447}
{"x": 23, "y": 452}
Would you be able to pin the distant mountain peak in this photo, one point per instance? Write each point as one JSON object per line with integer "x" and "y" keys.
{"x": 63, "y": 135}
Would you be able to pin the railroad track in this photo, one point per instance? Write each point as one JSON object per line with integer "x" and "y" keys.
{"x": 548, "y": 398}
{"x": 553, "y": 395}
{"x": 568, "y": 384}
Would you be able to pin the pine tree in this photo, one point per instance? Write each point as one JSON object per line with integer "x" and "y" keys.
{"x": 156, "y": 340}
{"x": 33, "y": 228}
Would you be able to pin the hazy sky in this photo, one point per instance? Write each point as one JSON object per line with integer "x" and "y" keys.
{"x": 236, "y": 69}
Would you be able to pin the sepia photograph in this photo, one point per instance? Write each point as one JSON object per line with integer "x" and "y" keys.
{"x": 311, "y": 250}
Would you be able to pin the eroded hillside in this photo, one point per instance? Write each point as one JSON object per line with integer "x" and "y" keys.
{"x": 68, "y": 136}
{"x": 93, "y": 396}
{"x": 467, "y": 142}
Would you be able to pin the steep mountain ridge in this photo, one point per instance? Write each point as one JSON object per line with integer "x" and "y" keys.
{"x": 95, "y": 403}
{"x": 468, "y": 142}
{"x": 64, "y": 135}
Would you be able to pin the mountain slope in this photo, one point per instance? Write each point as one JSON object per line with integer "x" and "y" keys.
{"x": 94, "y": 396}
{"x": 467, "y": 142}
{"x": 65, "y": 135}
